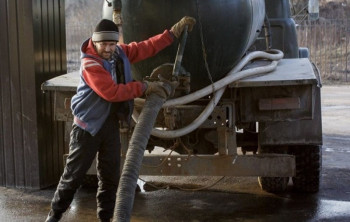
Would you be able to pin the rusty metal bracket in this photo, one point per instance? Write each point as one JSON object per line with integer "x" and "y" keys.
{"x": 268, "y": 165}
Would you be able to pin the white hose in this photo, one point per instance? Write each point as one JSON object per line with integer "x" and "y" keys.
{"x": 277, "y": 55}
{"x": 219, "y": 87}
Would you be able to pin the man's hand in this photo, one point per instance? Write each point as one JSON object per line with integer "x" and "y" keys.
{"x": 178, "y": 28}
{"x": 163, "y": 89}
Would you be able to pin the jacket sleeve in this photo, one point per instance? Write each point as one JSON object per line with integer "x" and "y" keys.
{"x": 101, "y": 82}
{"x": 137, "y": 51}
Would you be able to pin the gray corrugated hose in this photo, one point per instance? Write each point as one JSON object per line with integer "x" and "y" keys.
{"x": 134, "y": 156}
{"x": 137, "y": 146}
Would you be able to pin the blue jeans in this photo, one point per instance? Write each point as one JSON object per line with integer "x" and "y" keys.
{"x": 83, "y": 149}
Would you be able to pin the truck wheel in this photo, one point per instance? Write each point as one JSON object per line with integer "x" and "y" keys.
{"x": 308, "y": 160}
{"x": 273, "y": 184}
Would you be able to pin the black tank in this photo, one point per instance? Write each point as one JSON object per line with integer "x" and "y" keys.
{"x": 224, "y": 31}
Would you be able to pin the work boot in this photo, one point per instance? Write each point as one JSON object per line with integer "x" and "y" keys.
{"x": 53, "y": 216}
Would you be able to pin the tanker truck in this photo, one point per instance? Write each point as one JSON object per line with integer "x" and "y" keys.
{"x": 248, "y": 100}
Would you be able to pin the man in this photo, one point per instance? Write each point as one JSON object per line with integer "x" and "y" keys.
{"x": 104, "y": 96}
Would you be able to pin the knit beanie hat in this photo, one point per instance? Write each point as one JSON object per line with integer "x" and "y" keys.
{"x": 106, "y": 30}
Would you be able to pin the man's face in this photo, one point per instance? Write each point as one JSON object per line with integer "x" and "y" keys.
{"x": 105, "y": 49}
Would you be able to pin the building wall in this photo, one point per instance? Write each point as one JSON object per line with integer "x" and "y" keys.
{"x": 32, "y": 50}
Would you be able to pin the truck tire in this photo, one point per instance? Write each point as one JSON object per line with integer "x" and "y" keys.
{"x": 308, "y": 160}
{"x": 273, "y": 184}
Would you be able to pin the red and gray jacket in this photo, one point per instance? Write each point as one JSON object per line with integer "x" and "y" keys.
{"x": 98, "y": 87}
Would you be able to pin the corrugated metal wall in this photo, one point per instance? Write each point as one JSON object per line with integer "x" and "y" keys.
{"x": 32, "y": 49}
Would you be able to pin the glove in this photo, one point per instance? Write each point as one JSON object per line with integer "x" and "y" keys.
{"x": 163, "y": 89}
{"x": 179, "y": 27}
